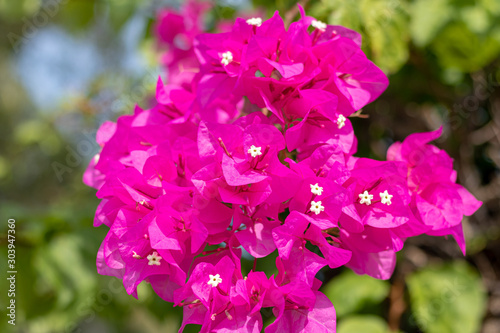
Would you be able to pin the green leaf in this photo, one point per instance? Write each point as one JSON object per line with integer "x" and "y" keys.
{"x": 476, "y": 18}
{"x": 428, "y": 18}
{"x": 386, "y": 25}
{"x": 345, "y": 13}
{"x": 382, "y": 23}
{"x": 362, "y": 324}
{"x": 11, "y": 11}
{"x": 63, "y": 272}
{"x": 74, "y": 15}
{"x": 457, "y": 47}
{"x": 447, "y": 299}
{"x": 122, "y": 11}
{"x": 350, "y": 292}
{"x": 492, "y": 6}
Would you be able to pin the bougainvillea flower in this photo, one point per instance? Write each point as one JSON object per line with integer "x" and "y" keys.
{"x": 247, "y": 150}
{"x": 438, "y": 202}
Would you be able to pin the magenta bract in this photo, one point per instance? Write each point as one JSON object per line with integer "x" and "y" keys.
{"x": 249, "y": 149}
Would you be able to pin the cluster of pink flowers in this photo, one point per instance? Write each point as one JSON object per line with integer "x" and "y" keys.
{"x": 249, "y": 150}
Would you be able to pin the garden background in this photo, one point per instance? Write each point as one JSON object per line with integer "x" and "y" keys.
{"x": 68, "y": 65}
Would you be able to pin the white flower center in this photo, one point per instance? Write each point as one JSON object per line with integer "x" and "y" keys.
{"x": 341, "y": 121}
{"x": 214, "y": 280}
{"x": 317, "y": 207}
{"x": 385, "y": 197}
{"x": 255, "y": 151}
{"x": 316, "y": 189}
{"x": 154, "y": 259}
{"x": 257, "y": 21}
{"x": 227, "y": 58}
{"x": 366, "y": 198}
{"x": 318, "y": 25}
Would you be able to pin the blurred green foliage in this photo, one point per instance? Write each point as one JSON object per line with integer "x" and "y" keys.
{"x": 383, "y": 24}
{"x": 447, "y": 299}
{"x": 363, "y": 292}
{"x": 430, "y": 48}
{"x": 363, "y": 324}
{"x": 453, "y": 30}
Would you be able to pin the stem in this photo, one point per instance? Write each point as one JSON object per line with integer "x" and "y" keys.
{"x": 397, "y": 304}
{"x": 225, "y": 148}
{"x": 359, "y": 115}
{"x": 213, "y": 251}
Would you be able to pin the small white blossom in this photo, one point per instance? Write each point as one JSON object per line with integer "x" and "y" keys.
{"x": 227, "y": 58}
{"x": 255, "y": 151}
{"x": 366, "y": 198}
{"x": 385, "y": 197}
{"x": 318, "y": 25}
{"x": 341, "y": 121}
{"x": 257, "y": 21}
{"x": 317, "y": 207}
{"x": 316, "y": 189}
{"x": 214, "y": 280}
{"x": 154, "y": 259}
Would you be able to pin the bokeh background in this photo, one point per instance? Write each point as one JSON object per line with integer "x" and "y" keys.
{"x": 68, "y": 65}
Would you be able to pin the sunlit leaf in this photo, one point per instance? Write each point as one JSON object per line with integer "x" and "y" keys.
{"x": 386, "y": 25}
{"x": 428, "y": 18}
{"x": 476, "y": 18}
{"x": 350, "y": 292}
{"x": 382, "y": 23}
{"x": 457, "y": 47}
{"x": 362, "y": 324}
{"x": 447, "y": 299}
